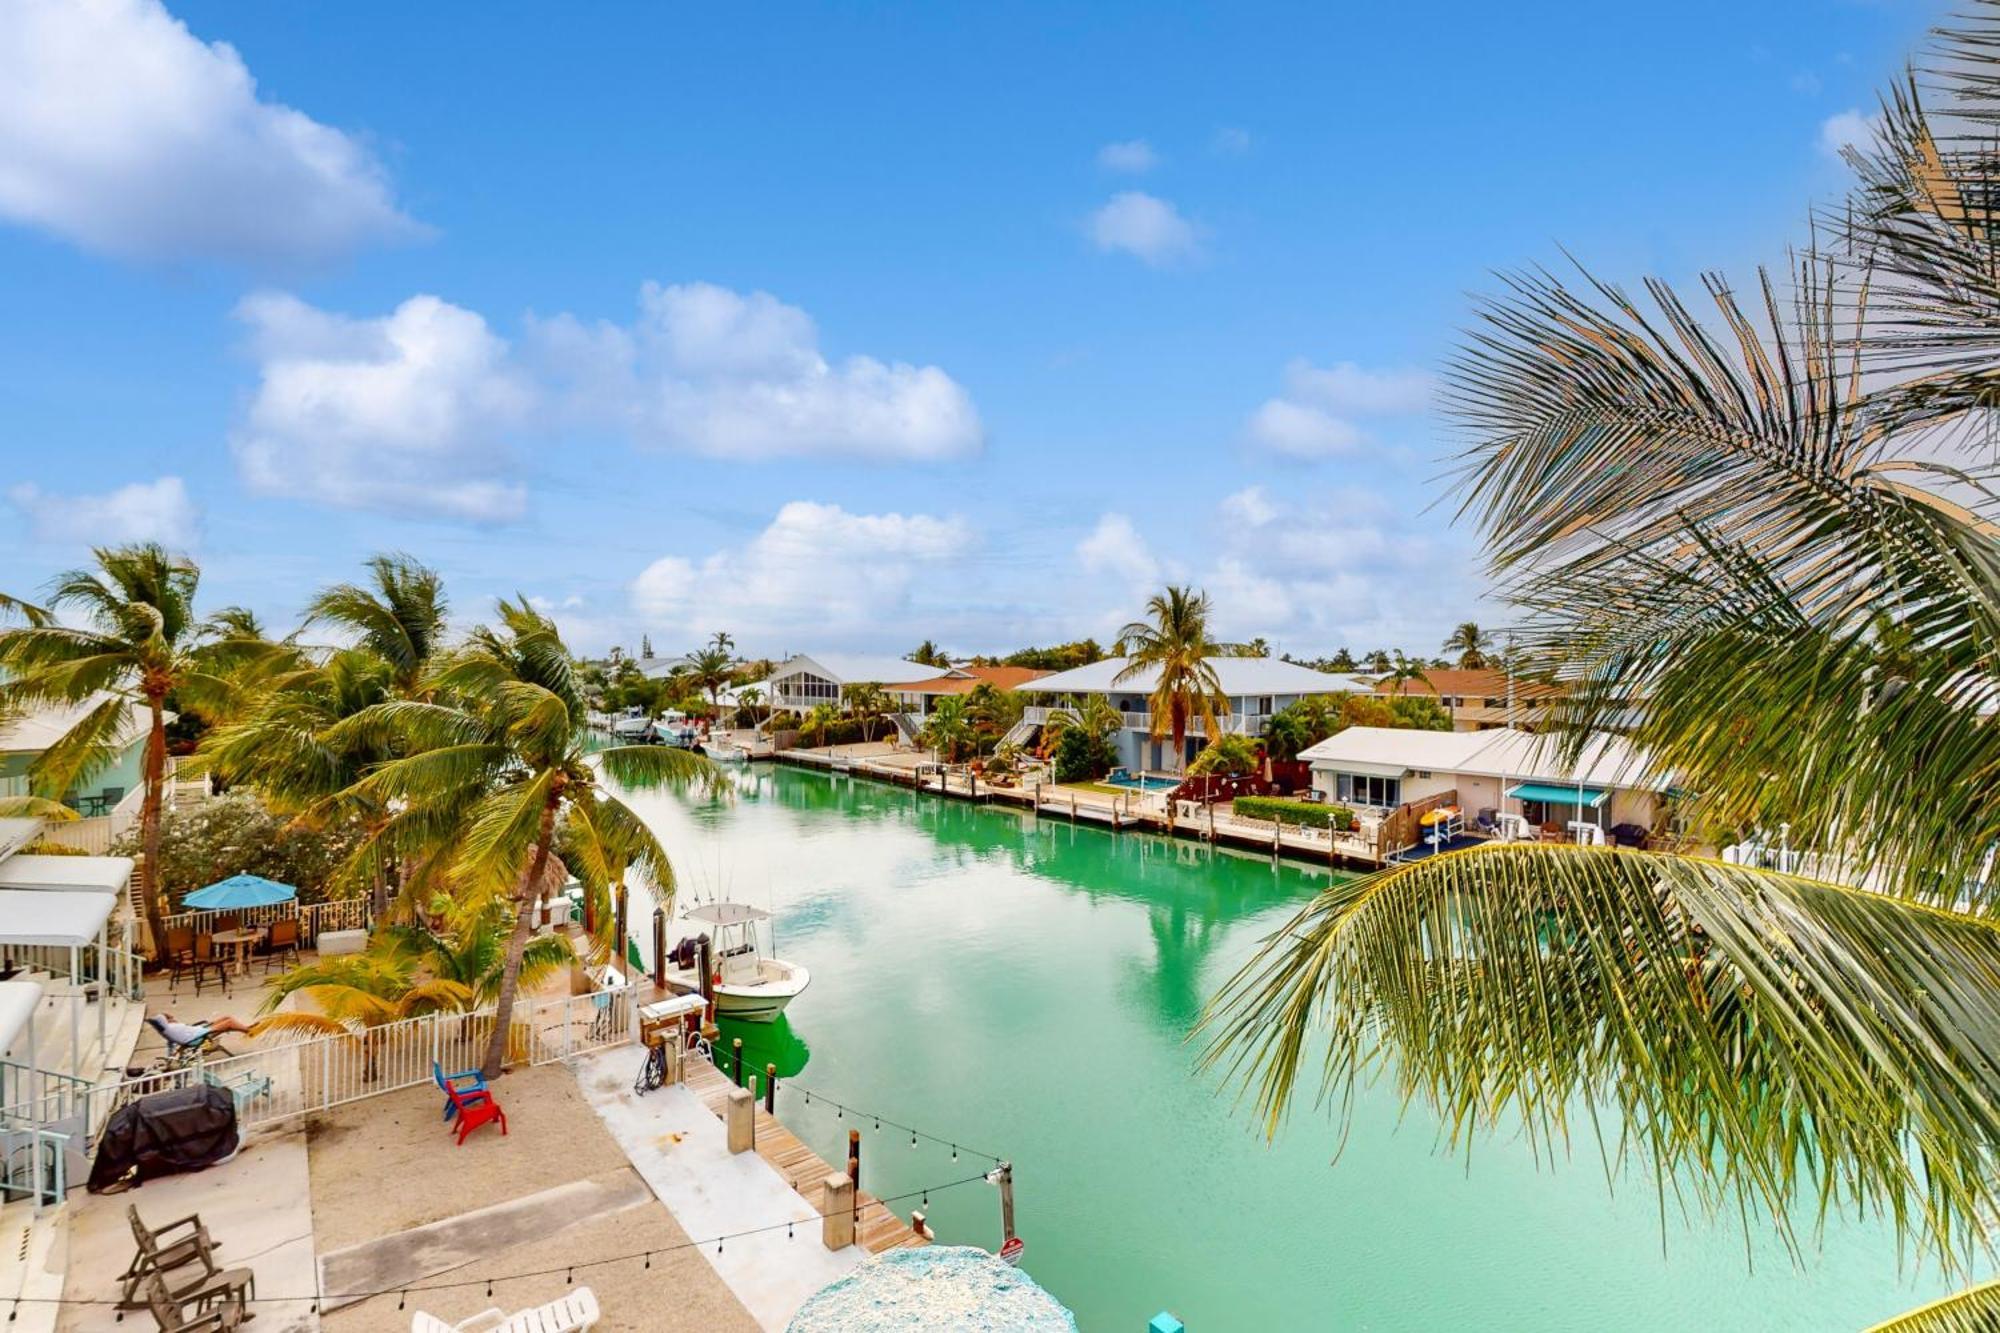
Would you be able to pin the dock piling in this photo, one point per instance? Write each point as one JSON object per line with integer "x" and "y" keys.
{"x": 770, "y": 1089}
{"x": 742, "y": 1120}
{"x": 736, "y": 1062}
{"x": 836, "y": 1227}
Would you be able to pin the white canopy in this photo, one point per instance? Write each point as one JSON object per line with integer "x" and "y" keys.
{"x": 17, "y": 1006}
{"x": 104, "y": 874}
{"x": 67, "y": 919}
{"x": 726, "y": 914}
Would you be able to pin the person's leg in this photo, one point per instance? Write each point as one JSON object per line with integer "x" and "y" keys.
{"x": 227, "y": 1024}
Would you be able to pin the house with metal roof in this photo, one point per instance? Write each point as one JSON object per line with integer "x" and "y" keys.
{"x": 1496, "y": 777}
{"x": 26, "y": 735}
{"x": 1256, "y": 688}
{"x": 804, "y": 681}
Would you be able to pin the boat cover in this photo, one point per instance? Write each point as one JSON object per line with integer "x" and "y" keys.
{"x": 183, "y": 1130}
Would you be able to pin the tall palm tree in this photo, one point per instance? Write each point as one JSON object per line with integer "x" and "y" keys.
{"x": 495, "y": 763}
{"x": 1175, "y": 645}
{"x": 140, "y": 642}
{"x": 1404, "y": 672}
{"x": 1093, "y": 713}
{"x": 399, "y": 613}
{"x": 708, "y": 670}
{"x": 994, "y": 712}
{"x": 1470, "y": 645}
{"x": 1717, "y": 540}
{"x": 819, "y": 720}
{"x": 948, "y": 727}
{"x": 929, "y": 654}
{"x": 751, "y": 698}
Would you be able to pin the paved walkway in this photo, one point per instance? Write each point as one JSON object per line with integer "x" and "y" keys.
{"x": 681, "y": 1149}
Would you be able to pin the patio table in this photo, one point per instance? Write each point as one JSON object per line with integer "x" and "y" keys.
{"x": 240, "y": 941}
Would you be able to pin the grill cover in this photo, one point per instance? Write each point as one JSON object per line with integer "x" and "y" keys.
{"x": 183, "y": 1130}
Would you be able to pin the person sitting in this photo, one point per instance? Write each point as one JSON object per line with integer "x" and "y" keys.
{"x": 179, "y": 1035}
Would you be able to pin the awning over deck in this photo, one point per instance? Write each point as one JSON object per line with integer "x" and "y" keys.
{"x": 17, "y": 1006}
{"x": 66, "y": 920}
{"x": 1555, "y": 795}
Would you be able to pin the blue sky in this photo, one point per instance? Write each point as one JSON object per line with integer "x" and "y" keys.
{"x": 842, "y": 326}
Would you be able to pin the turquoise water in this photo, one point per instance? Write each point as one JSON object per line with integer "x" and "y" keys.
{"x": 1025, "y": 987}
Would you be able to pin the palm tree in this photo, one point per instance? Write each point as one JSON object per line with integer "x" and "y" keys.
{"x": 750, "y": 697}
{"x": 818, "y": 721}
{"x": 1472, "y": 646}
{"x": 1093, "y": 713}
{"x": 140, "y": 642}
{"x": 1176, "y": 648}
{"x": 400, "y": 614}
{"x": 494, "y": 768}
{"x": 707, "y": 669}
{"x": 948, "y": 727}
{"x": 994, "y": 712}
{"x": 1404, "y": 672}
{"x": 1767, "y": 519}
{"x": 929, "y": 654}
{"x": 867, "y": 703}
{"x": 723, "y": 641}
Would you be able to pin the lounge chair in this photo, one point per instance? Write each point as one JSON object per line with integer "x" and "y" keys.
{"x": 475, "y": 1107}
{"x": 467, "y": 1080}
{"x": 569, "y": 1314}
{"x": 207, "y": 1311}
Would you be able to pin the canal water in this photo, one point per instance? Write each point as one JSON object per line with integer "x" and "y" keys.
{"x": 1024, "y": 988}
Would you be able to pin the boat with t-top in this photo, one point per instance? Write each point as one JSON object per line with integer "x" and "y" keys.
{"x": 749, "y": 983}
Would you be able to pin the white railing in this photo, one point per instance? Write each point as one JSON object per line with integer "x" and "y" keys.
{"x": 313, "y": 918}
{"x": 120, "y": 969}
{"x": 95, "y": 835}
{"x": 1248, "y": 724}
{"x": 311, "y": 1074}
{"x": 34, "y": 1164}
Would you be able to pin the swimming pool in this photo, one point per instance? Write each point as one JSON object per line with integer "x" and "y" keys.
{"x": 1120, "y": 778}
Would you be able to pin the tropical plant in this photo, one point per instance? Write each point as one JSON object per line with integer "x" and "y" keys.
{"x": 238, "y": 833}
{"x": 929, "y": 654}
{"x": 1093, "y": 714}
{"x": 1227, "y": 754}
{"x": 1379, "y": 662}
{"x": 494, "y": 768}
{"x": 750, "y": 700}
{"x": 1081, "y": 755}
{"x": 818, "y": 720}
{"x": 1470, "y": 646}
{"x": 708, "y": 670}
{"x": 1404, "y": 672}
{"x": 399, "y": 614}
{"x": 994, "y": 712}
{"x": 867, "y": 703}
{"x": 1717, "y": 541}
{"x": 1174, "y": 647}
{"x": 140, "y": 642}
{"x": 949, "y": 727}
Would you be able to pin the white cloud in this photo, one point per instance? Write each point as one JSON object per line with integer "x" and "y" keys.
{"x": 1132, "y": 155}
{"x": 1313, "y": 418}
{"x": 716, "y": 372}
{"x": 124, "y": 133}
{"x": 1848, "y": 129}
{"x": 156, "y": 511}
{"x": 1251, "y": 507}
{"x": 1115, "y": 547}
{"x": 409, "y": 413}
{"x": 1230, "y": 141}
{"x": 1145, "y": 226}
{"x": 817, "y": 571}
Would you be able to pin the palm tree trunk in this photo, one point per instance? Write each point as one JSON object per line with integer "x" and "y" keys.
{"x": 149, "y": 824}
{"x": 517, "y": 944}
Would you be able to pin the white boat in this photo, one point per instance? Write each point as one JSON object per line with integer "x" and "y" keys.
{"x": 724, "y": 752}
{"x": 750, "y": 985}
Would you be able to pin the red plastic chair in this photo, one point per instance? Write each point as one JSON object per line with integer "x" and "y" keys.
{"x": 475, "y": 1107}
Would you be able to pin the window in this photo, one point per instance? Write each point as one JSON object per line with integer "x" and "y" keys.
{"x": 1367, "y": 789}
{"x": 1496, "y": 703}
{"x": 1264, "y": 704}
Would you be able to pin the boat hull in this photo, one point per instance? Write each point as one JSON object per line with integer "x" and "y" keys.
{"x": 758, "y": 1003}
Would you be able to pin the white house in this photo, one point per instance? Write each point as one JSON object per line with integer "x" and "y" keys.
{"x": 803, "y": 682}
{"x": 1257, "y": 687}
{"x": 1497, "y": 773}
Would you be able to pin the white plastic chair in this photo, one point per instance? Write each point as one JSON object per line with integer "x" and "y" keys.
{"x": 569, "y": 1314}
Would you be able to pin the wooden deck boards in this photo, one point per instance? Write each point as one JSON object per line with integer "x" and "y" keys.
{"x": 877, "y": 1228}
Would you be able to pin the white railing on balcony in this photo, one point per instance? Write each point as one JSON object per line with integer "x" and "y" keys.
{"x": 1248, "y": 724}
{"x": 120, "y": 970}
{"x": 281, "y": 1081}
{"x": 34, "y": 1164}
{"x": 95, "y": 835}
{"x": 313, "y": 918}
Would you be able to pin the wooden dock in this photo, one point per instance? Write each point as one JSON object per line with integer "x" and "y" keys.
{"x": 876, "y": 1226}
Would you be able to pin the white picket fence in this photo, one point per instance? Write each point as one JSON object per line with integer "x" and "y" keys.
{"x": 278, "y": 1082}
{"x": 339, "y": 914}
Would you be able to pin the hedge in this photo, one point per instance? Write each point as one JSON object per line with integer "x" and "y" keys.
{"x": 1307, "y": 814}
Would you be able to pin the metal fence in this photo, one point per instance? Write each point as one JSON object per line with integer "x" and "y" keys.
{"x": 318, "y": 1073}
{"x": 34, "y": 1164}
{"x": 313, "y": 918}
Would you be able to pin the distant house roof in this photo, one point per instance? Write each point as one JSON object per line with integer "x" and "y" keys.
{"x": 1239, "y": 675}
{"x": 1608, "y": 761}
{"x": 659, "y": 668}
{"x": 856, "y": 668}
{"x": 1462, "y": 684}
{"x": 37, "y": 729}
{"x": 964, "y": 680}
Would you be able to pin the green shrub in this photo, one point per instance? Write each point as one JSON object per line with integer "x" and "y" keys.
{"x": 1081, "y": 756}
{"x": 235, "y": 834}
{"x": 1306, "y": 814}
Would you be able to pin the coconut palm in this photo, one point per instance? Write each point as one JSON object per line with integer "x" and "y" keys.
{"x": 140, "y": 642}
{"x": 708, "y": 670}
{"x": 1721, "y": 541}
{"x": 1093, "y": 713}
{"x": 1471, "y": 646}
{"x": 1404, "y": 672}
{"x": 994, "y": 712}
{"x": 1174, "y": 645}
{"x": 929, "y": 654}
{"x": 750, "y": 698}
{"x": 948, "y": 727}
{"x": 494, "y": 767}
{"x": 399, "y": 614}
{"x": 818, "y": 721}
{"x": 867, "y": 703}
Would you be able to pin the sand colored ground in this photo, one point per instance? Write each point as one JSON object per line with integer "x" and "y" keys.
{"x": 388, "y": 1164}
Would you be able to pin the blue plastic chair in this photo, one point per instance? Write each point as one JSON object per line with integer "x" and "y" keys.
{"x": 465, "y": 1080}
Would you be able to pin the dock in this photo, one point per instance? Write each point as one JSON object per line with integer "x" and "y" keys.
{"x": 876, "y": 1227}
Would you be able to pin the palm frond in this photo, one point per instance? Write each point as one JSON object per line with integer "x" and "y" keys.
{"x": 1974, "y": 1310}
{"x": 1767, "y": 1041}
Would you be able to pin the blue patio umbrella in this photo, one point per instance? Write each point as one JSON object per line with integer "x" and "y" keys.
{"x": 240, "y": 891}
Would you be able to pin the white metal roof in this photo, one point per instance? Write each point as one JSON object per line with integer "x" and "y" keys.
{"x": 1239, "y": 675}
{"x": 69, "y": 919}
{"x": 103, "y": 874}
{"x": 857, "y": 668}
{"x": 39, "y": 728}
{"x": 17, "y": 833}
{"x": 17, "y": 1005}
{"x": 1503, "y": 752}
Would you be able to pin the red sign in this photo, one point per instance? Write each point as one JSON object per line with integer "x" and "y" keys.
{"x": 1011, "y": 1251}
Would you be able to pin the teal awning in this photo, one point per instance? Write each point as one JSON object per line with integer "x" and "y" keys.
{"x": 1548, "y": 791}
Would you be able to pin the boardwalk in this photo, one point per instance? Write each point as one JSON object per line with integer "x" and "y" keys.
{"x": 877, "y": 1228}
